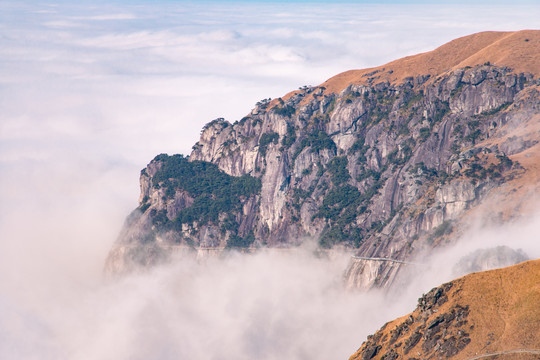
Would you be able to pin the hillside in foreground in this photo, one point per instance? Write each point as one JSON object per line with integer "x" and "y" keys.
{"x": 486, "y": 315}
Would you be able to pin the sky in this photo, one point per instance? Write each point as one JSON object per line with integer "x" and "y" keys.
{"x": 90, "y": 92}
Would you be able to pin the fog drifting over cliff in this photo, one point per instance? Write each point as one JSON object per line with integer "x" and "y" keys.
{"x": 274, "y": 304}
{"x": 267, "y": 306}
{"x": 90, "y": 92}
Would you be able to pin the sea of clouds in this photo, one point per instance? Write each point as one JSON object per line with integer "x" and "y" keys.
{"x": 90, "y": 92}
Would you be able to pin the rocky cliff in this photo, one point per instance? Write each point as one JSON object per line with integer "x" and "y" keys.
{"x": 491, "y": 314}
{"x": 386, "y": 162}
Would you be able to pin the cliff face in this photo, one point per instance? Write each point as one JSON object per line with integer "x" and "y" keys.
{"x": 490, "y": 313}
{"x": 384, "y": 167}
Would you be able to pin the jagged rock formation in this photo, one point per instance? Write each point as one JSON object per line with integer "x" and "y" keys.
{"x": 493, "y": 312}
{"x": 386, "y": 162}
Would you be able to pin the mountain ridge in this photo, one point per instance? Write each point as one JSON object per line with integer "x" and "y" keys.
{"x": 472, "y": 50}
{"x": 386, "y": 170}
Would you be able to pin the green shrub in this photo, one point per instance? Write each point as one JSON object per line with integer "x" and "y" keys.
{"x": 376, "y": 175}
{"x": 266, "y": 139}
{"x": 425, "y": 132}
{"x": 476, "y": 171}
{"x": 307, "y": 171}
{"x": 413, "y": 98}
{"x": 504, "y": 162}
{"x": 457, "y": 90}
{"x": 263, "y": 103}
{"x": 441, "y": 230}
{"x": 497, "y": 109}
{"x": 442, "y": 109}
{"x": 317, "y": 140}
{"x": 336, "y": 234}
{"x": 473, "y": 136}
{"x": 285, "y": 111}
{"x": 404, "y": 129}
{"x": 360, "y": 147}
{"x": 331, "y": 236}
{"x": 160, "y": 218}
{"x": 338, "y": 168}
{"x": 336, "y": 200}
{"x": 289, "y": 138}
{"x": 214, "y": 192}
{"x": 235, "y": 241}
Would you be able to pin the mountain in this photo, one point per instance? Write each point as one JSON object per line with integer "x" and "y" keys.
{"x": 515, "y": 50}
{"x": 385, "y": 162}
{"x": 491, "y": 313}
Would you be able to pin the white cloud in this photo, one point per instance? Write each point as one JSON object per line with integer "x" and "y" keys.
{"x": 267, "y": 306}
{"x": 61, "y": 23}
{"x": 109, "y": 17}
{"x": 91, "y": 93}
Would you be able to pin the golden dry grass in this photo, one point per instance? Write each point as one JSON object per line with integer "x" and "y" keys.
{"x": 517, "y": 50}
{"x": 504, "y": 313}
{"x": 506, "y": 303}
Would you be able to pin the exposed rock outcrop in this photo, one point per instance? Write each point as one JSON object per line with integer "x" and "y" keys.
{"x": 388, "y": 168}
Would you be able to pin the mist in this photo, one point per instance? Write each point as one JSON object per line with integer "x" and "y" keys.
{"x": 90, "y": 92}
{"x": 440, "y": 265}
{"x": 271, "y": 305}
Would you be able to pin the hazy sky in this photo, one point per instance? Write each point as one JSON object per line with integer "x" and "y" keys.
{"x": 91, "y": 91}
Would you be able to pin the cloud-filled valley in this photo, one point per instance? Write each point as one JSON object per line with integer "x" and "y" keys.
{"x": 90, "y": 93}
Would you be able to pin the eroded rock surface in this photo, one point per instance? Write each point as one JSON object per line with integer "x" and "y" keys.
{"x": 383, "y": 169}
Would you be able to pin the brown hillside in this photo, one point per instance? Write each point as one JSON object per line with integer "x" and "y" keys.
{"x": 487, "y": 315}
{"x": 517, "y": 50}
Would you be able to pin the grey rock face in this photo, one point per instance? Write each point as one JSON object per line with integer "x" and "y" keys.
{"x": 385, "y": 169}
{"x": 488, "y": 259}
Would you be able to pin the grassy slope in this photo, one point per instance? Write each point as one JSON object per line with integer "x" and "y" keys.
{"x": 504, "y": 314}
{"x": 516, "y": 50}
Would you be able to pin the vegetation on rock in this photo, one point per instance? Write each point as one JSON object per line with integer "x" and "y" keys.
{"x": 214, "y": 192}
{"x": 384, "y": 159}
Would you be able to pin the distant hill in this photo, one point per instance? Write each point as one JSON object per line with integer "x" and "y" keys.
{"x": 487, "y": 315}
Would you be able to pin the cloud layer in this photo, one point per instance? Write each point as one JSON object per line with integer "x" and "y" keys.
{"x": 90, "y": 92}
{"x": 267, "y": 306}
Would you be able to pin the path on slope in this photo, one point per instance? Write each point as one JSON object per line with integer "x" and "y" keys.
{"x": 507, "y": 352}
{"x": 385, "y": 259}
